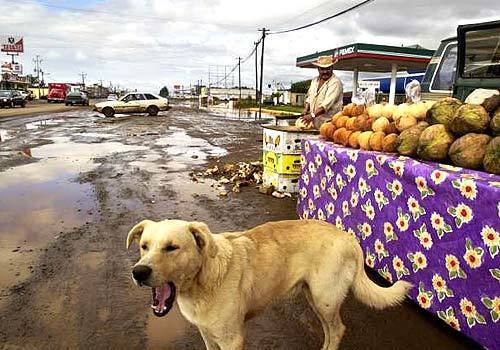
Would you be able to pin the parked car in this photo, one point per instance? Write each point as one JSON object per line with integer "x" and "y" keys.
{"x": 135, "y": 102}
{"x": 112, "y": 97}
{"x": 76, "y": 98}
{"x": 11, "y": 99}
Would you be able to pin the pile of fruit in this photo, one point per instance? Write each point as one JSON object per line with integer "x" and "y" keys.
{"x": 467, "y": 134}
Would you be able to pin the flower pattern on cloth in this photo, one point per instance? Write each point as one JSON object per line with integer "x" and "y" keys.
{"x": 434, "y": 225}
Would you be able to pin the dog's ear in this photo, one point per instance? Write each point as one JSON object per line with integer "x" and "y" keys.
{"x": 136, "y": 232}
{"x": 203, "y": 238}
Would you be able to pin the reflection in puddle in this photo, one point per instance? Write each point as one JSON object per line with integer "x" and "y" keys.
{"x": 4, "y": 135}
{"x": 39, "y": 200}
{"x": 62, "y": 147}
{"x": 163, "y": 331}
{"x": 42, "y": 123}
{"x": 186, "y": 150}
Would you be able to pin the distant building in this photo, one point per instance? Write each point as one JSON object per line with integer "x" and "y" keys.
{"x": 11, "y": 77}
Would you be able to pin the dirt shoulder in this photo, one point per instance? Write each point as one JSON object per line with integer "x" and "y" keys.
{"x": 38, "y": 108}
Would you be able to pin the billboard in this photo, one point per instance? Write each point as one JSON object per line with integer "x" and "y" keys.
{"x": 13, "y": 68}
{"x": 11, "y": 43}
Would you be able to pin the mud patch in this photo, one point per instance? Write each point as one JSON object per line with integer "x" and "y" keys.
{"x": 92, "y": 260}
{"x": 162, "y": 332}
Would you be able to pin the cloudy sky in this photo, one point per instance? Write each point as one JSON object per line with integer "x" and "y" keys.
{"x": 146, "y": 44}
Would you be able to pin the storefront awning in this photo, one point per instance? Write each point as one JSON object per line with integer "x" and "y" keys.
{"x": 372, "y": 58}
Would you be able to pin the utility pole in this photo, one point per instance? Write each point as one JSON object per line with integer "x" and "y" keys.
{"x": 38, "y": 61}
{"x": 239, "y": 85}
{"x": 100, "y": 88}
{"x": 83, "y": 75}
{"x": 264, "y": 30}
{"x": 256, "y": 74}
{"x": 239, "y": 75}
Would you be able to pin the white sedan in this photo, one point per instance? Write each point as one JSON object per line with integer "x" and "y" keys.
{"x": 134, "y": 102}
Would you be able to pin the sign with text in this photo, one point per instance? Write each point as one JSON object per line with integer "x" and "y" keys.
{"x": 366, "y": 84}
{"x": 343, "y": 51}
{"x": 11, "y": 43}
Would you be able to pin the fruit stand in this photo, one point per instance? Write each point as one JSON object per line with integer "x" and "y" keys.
{"x": 434, "y": 225}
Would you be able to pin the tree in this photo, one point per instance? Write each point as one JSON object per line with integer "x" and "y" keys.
{"x": 301, "y": 86}
{"x": 164, "y": 92}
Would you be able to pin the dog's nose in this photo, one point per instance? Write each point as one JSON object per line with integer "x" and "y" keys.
{"x": 141, "y": 272}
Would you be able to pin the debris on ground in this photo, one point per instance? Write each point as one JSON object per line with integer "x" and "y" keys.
{"x": 241, "y": 174}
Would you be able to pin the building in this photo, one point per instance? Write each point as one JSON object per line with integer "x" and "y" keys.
{"x": 11, "y": 77}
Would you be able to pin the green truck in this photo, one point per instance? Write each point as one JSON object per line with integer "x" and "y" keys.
{"x": 463, "y": 63}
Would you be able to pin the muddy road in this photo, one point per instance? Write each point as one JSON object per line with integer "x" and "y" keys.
{"x": 72, "y": 184}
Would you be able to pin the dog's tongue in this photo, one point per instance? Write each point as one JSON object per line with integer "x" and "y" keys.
{"x": 160, "y": 296}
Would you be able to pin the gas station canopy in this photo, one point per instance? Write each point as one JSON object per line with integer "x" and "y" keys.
{"x": 373, "y": 58}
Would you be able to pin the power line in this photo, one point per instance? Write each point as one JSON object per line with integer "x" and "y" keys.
{"x": 324, "y": 19}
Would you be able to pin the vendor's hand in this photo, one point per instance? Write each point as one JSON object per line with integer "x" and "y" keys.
{"x": 307, "y": 118}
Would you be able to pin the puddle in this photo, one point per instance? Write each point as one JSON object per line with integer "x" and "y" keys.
{"x": 43, "y": 123}
{"x": 187, "y": 151}
{"x": 95, "y": 135}
{"x": 162, "y": 331}
{"x": 63, "y": 148}
{"x": 39, "y": 200}
{"x": 4, "y": 135}
{"x": 42, "y": 199}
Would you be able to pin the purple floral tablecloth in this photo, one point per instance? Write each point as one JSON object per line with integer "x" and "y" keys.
{"x": 434, "y": 225}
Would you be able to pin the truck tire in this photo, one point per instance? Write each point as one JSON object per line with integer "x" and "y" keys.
{"x": 152, "y": 110}
{"x": 108, "y": 112}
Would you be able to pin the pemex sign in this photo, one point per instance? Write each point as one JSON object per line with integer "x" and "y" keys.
{"x": 11, "y": 43}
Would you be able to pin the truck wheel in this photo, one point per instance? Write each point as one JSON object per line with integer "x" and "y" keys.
{"x": 108, "y": 112}
{"x": 152, "y": 110}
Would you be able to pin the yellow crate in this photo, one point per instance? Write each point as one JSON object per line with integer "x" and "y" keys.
{"x": 282, "y": 163}
{"x": 281, "y": 182}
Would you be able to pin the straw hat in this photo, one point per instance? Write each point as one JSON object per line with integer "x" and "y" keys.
{"x": 324, "y": 62}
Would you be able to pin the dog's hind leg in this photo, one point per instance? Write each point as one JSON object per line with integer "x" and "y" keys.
{"x": 328, "y": 290}
{"x": 324, "y": 324}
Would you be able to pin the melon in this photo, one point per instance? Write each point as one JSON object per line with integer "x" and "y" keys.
{"x": 364, "y": 140}
{"x": 405, "y": 122}
{"x": 380, "y": 124}
{"x": 301, "y": 123}
{"x": 468, "y": 151}
{"x": 442, "y": 111}
{"x": 389, "y": 144}
{"x": 470, "y": 118}
{"x": 495, "y": 122}
{"x": 407, "y": 143}
{"x": 491, "y": 161}
{"x": 376, "y": 141}
{"x": 353, "y": 139}
{"x": 434, "y": 142}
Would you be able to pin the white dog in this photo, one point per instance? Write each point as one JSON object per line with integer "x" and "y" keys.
{"x": 220, "y": 280}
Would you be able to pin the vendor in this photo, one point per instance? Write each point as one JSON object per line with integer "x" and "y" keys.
{"x": 325, "y": 94}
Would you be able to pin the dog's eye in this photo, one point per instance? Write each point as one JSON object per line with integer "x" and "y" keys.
{"x": 170, "y": 248}
{"x": 144, "y": 246}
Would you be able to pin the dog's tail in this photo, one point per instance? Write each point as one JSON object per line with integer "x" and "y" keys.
{"x": 373, "y": 295}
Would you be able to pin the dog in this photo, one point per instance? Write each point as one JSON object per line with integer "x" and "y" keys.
{"x": 221, "y": 280}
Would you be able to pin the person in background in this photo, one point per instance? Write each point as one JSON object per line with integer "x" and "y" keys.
{"x": 325, "y": 94}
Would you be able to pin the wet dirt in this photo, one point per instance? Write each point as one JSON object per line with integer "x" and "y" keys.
{"x": 74, "y": 188}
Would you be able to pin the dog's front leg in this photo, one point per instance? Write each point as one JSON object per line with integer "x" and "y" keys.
{"x": 209, "y": 342}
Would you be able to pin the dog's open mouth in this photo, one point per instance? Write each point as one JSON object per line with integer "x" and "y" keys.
{"x": 163, "y": 299}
